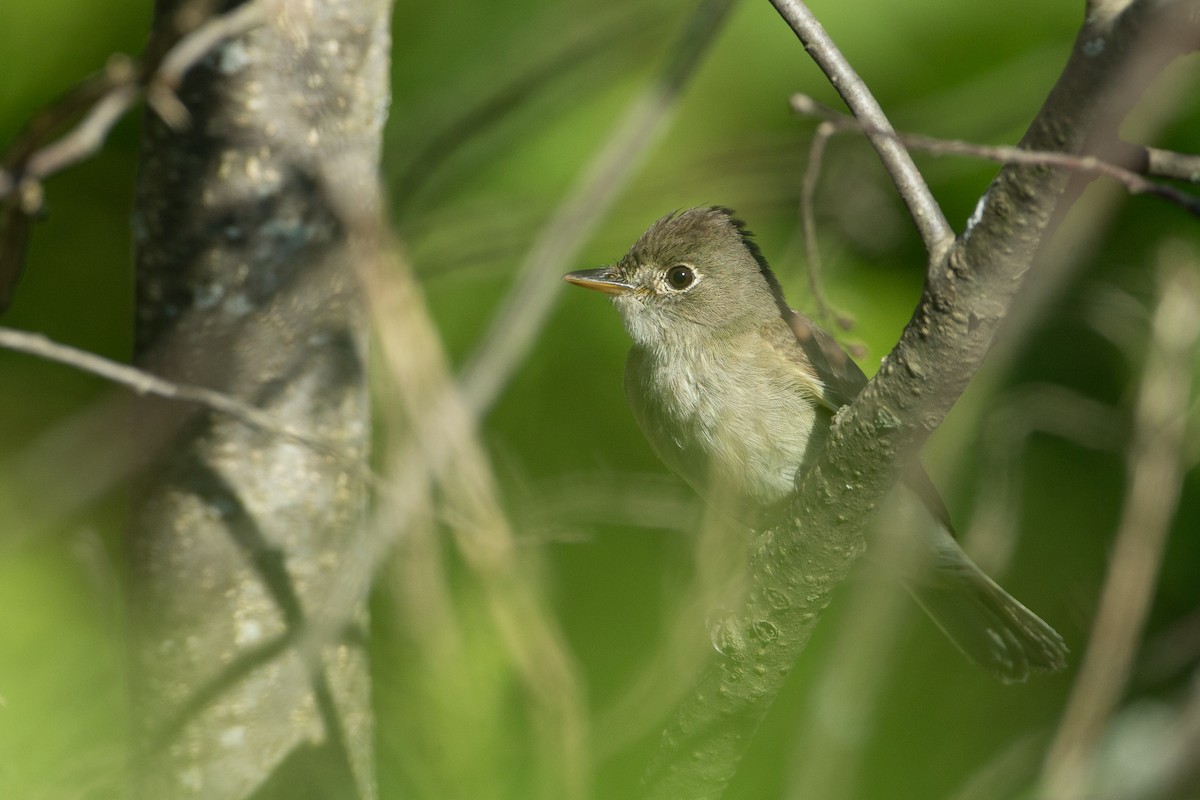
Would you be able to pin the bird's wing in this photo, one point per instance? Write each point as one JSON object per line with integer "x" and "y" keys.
{"x": 833, "y": 367}
{"x": 843, "y": 380}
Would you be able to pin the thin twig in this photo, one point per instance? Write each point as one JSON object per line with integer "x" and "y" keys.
{"x": 146, "y": 383}
{"x": 522, "y": 313}
{"x": 1155, "y": 475}
{"x": 118, "y": 70}
{"x": 1134, "y": 182}
{"x": 930, "y": 222}
{"x": 195, "y": 45}
{"x": 808, "y": 222}
{"x": 123, "y": 82}
{"x": 102, "y": 100}
{"x": 85, "y": 139}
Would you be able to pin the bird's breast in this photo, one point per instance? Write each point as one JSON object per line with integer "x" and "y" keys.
{"x": 736, "y": 426}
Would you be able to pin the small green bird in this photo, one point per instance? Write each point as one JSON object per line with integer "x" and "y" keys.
{"x": 734, "y": 390}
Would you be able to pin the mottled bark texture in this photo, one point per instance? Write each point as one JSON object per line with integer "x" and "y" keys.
{"x": 968, "y": 292}
{"x": 245, "y": 284}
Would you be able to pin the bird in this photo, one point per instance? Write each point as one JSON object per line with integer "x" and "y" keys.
{"x": 735, "y": 391}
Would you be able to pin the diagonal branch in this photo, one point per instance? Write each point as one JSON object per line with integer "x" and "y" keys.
{"x": 925, "y": 211}
{"x": 146, "y": 383}
{"x": 795, "y": 568}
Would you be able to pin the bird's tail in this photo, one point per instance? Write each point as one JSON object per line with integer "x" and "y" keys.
{"x": 990, "y": 626}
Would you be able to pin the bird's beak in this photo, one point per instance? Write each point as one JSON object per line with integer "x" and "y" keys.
{"x": 604, "y": 280}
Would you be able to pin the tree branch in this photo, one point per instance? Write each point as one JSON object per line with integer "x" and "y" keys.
{"x": 1134, "y": 182}
{"x": 108, "y": 96}
{"x": 1167, "y": 164}
{"x": 246, "y": 285}
{"x": 796, "y": 567}
{"x": 145, "y": 383}
{"x": 924, "y": 209}
{"x": 103, "y": 100}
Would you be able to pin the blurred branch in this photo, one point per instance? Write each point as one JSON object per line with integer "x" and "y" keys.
{"x": 650, "y": 500}
{"x": 522, "y": 313}
{"x": 1133, "y": 182}
{"x": 442, "y": 447}
{"x": 1155, "y": 475}
{"x": 913, "y": 190}
{"x": 969, "y": 291}
{"x": 993, "y": 531}
{"x": 1167, "y": 164}
{"x": 492, "y": 109}
{"x": 104, "y": 99}
{"x": 145, "y": 383}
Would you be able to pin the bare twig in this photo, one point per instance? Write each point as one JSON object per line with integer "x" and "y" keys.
{"x": 524, "y": 310}
{"x": 1155, "y": 474}
{"x": 112, "y": 94}
{"x": 83, "y": 141}
{"x": 146, "y": 383}
{"x": 1133, "y": 182}
{"x": 808, "y": 225}
{"x": 930, "y": 222}
{"x": 161, "y": 83}
{"x": 196, "y": 44}
{"x": 118, "y": 71}
{"x": 103, "y": 100}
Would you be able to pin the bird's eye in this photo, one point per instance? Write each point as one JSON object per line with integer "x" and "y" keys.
{"x": 680, "y": 276}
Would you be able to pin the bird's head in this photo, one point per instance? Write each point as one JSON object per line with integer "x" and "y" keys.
{"x": 692, "y": 275}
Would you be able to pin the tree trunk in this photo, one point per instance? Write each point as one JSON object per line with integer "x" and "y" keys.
{"x": 245, "y": 284}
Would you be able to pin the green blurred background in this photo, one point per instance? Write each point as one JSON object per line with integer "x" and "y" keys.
{"x": 968, "y": 70}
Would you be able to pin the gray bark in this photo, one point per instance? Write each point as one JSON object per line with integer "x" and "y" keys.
{"x": 245, "y": 284}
